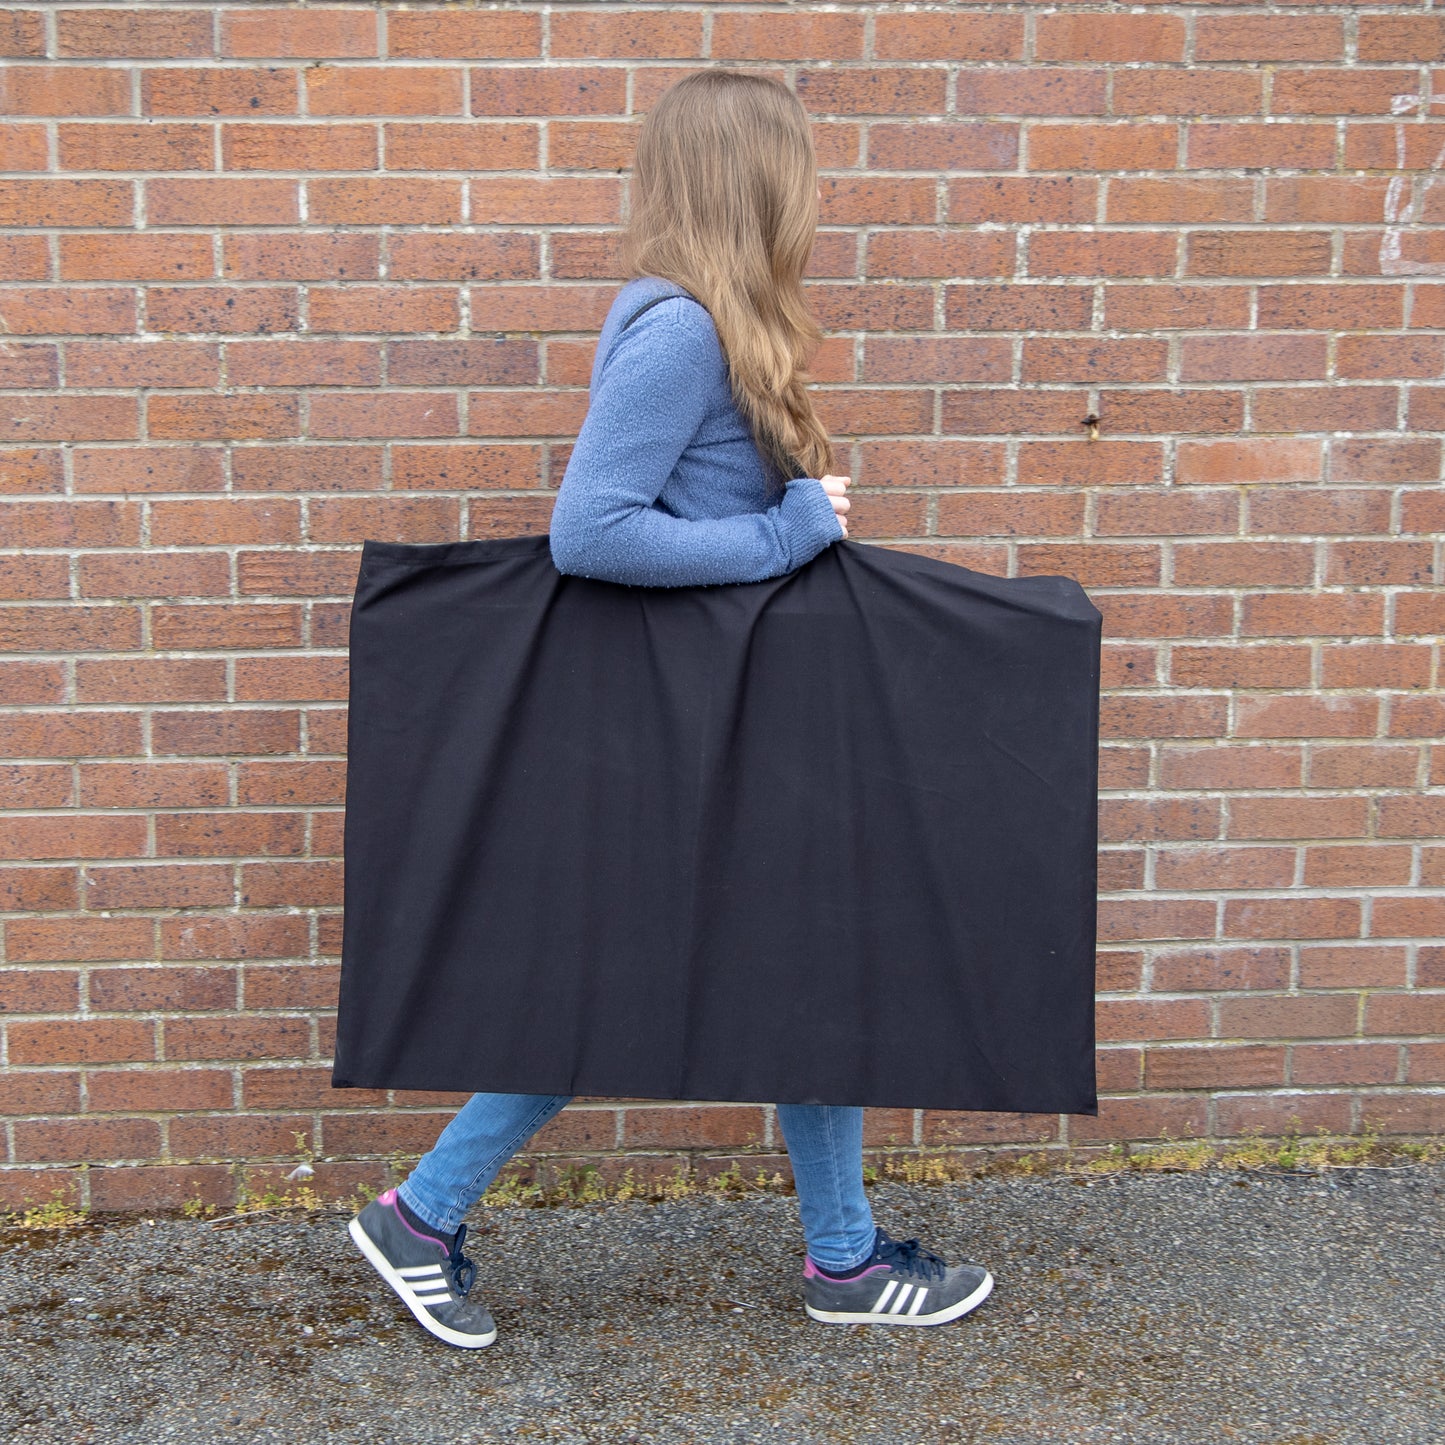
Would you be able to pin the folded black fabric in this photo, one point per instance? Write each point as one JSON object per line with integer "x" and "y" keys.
{"x": 828, "y": 838}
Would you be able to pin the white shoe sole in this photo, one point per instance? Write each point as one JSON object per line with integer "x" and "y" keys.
{"x": 937, "y": 1317}
{"x": 423, "y": 1316}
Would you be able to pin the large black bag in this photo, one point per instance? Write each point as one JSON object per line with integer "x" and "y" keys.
{"x": 826, "y": 838}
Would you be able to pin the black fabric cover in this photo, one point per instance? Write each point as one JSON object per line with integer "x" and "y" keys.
{"x": 827, "y": 838}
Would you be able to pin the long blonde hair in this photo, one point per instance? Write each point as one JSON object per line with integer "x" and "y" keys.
{"x": 724, "y": 204}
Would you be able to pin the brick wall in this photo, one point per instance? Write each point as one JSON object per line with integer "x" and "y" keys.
{"x": 277, "y": 278}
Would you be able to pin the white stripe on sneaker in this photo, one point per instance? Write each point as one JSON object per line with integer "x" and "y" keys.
{"x": 897, "y": 1306}
{"x": 881, "y": 1302}
{"x": 417, "y": 1271}
{"x": 917, "y": 1300}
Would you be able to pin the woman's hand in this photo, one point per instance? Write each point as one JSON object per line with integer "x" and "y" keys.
{"x": 837, "y": 488}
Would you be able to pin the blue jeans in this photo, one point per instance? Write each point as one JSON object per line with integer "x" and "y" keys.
{"x": 825, "y": 1146}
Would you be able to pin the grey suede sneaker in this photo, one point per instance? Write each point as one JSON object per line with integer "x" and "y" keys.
{"x": 432, "y": 1281}
{"x": 900, "y": 1284}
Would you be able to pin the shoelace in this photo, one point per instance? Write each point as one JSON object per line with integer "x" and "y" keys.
{"x": 905, "y": 1254}
{"x": 464, "y": 1272}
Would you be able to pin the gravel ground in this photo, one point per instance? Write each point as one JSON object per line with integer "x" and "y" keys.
{"x": 1272, "y": 1310}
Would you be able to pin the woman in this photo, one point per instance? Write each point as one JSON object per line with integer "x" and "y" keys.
{"x": 700, "y": 461}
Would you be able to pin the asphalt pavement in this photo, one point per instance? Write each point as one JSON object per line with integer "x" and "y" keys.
{"x": 1170, "y": 1309}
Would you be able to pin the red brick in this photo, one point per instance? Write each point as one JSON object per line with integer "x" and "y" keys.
{"x": 1404, "y": 1113}
{"x": 233, "y": 936}
{"x": 222, "y": 201}
{"x": 1104, "y": 146}
{"x": 465, "y": 146}
{"x": 58, "y": 1141}
{"x": 309, "y": 257}
{"x": 232, "y": 418}
{"x": 154, "y": 574}
{"x": 450, "y": 33}
{"x": 39, "y": 990}
{"x": 327, "y": 146}
{"x": 1426, "y": 1063}
{"x": 25, "y": 257}
{"x": 291, "y": 885}
{"x": 598, "y": 35}
{"x": 1224, "y": 145}
{"x": 1111, "y": 38}
{"x": 43, "y": 940}
{"x": 132, "y": 33}
{"x": 39, "y": 1091}
{"x": 1140, "y": 1020}
{"x": 72, "y": 835}
{"x": 303, "y": 1088}
{"x": 221, "y": 309}
{"x": 158, "y": 886}
{"x": 86, "y": 90}
{"x": 112, "y": 146}
{"x": 377, "y": 1134}
{"x": 32, "y": 682}
{"x": 224, "y": 626}
{"x": 1275, "y": 1115}
{"x": 164, "y": 1186}
{"x": 156, "y": 1090}
{"x": 937, "y": 36}
{"x": 115, "y": 990}
{"x": 1257, "y": 38}
{"x": 670, "y": 1126}
{"x": 246, "y": 730}
{"x": 34, "y": 578}
{"x": 81, "y": 1041}
{"x": 1189, "y": 91}
{"x": 308, "y": 468}
{"x": 1146, "y": 1117}
{"x": 237, "y": 1037}
{"x": 879, "y": 91}
{"x": 1211, "y": 969}
{"x": 1289, "y": 1017}
{"x": 297, "y": 986}
{"x": 228, "y": 1137}
{"x": 190, "y": 523}
{"x": 1214, "y": 1066}
{"x": 303, "y": 34}
{"x": 64, "y": 419}
{"x": 1344, "y": 1063}
{"x": 33, "y": 890}
{"x": 222, "y": 90}
{"x": 941, "y": 1127}
{"x": 140, "y": 785}
{"x": 22, "y": 32}
{"x": 547, "y": 91}
{"x": 1334, "y": 91}
{"x": 1405, "y": 1013}
{"x": 385, "y": 200}
{"x": 24, "y": 148}
{"x": 151, "y": 363}
{"x": 277, "y": 679}
{"x": 399, "y": 90}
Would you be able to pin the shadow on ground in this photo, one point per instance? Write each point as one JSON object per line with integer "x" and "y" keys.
{"x": 1153, "y": 1310}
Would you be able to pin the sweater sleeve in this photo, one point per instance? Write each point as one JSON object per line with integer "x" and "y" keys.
{"x": 646, "y": 407}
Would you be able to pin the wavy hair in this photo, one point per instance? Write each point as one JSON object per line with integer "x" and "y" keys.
{"x": 724, "y": 203}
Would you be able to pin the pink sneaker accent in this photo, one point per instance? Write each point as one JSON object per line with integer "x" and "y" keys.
{"x": 813, "y": 1272}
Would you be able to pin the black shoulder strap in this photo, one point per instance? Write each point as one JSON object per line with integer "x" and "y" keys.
{"x": 653, "y": 301}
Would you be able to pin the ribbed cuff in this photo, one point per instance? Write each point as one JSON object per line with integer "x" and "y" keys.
{"x": 809, "y": 521}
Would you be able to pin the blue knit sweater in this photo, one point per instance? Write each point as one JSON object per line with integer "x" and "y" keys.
{"x": 665, "y": 486}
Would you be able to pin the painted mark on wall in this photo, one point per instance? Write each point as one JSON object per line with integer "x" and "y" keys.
{"x": 1401, "y": 211}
